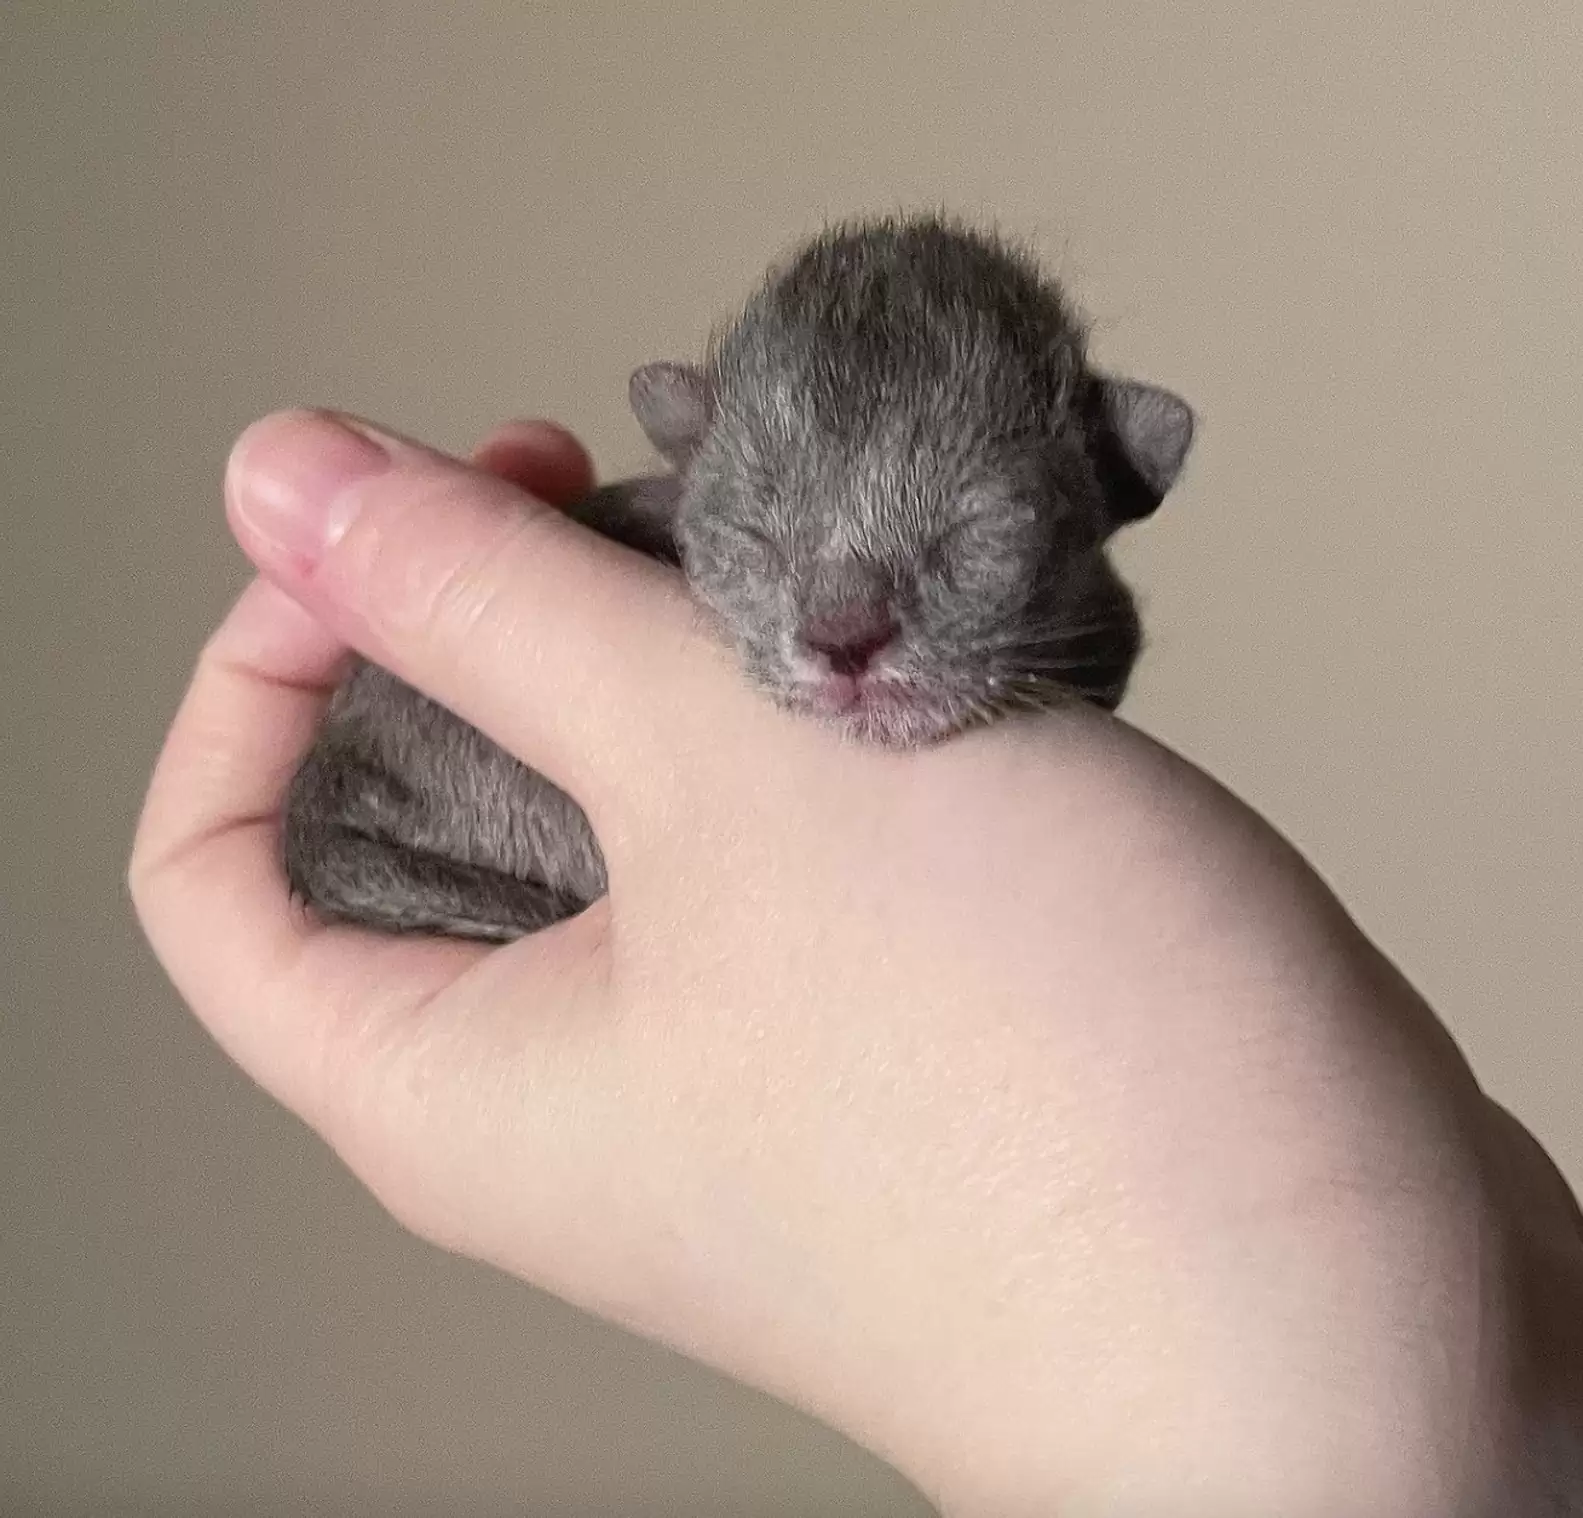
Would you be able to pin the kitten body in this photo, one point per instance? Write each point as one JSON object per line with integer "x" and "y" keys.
{"x": 893, "y": 482}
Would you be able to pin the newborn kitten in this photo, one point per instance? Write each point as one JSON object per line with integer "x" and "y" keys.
{"x": 895, "y": 476}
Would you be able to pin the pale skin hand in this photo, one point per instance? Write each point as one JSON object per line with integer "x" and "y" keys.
{"x": 1025, "y": 1107}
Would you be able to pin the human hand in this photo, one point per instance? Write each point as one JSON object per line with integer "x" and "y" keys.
{"x": 1025, "y": 1107}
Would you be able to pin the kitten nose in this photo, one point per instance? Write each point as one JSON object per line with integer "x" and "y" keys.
{"x": 850, "y": 639}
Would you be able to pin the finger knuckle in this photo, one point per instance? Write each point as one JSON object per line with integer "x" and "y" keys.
{"x": 148, "y": 863}
{"x": 135, "y": 879}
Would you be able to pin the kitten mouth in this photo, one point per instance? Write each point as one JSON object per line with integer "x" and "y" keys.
{"x": 882, "y": 709}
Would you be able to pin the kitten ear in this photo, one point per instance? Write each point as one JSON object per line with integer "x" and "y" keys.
{"x": 1141, "y": 435}
{"x": 674, "y": 405}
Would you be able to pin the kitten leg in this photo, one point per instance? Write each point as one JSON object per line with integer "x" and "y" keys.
{"x": 345, "y": 875}
{"x": 354, "y": 851}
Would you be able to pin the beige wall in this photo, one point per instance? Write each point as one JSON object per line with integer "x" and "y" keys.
{"x": 1350, "y": 233}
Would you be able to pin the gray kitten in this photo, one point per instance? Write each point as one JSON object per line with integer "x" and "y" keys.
{"x": 895, "y": 476}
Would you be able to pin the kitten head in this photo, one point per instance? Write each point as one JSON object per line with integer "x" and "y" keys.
{"x": 900, "y": 475}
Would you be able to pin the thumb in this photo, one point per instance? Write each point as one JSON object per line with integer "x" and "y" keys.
{"x": 543, "y": 635}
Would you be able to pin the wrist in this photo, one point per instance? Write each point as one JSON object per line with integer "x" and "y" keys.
{"x": 1400, "y": 1398}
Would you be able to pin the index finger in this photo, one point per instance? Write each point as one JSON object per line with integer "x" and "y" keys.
{"x": 289, "y": 998}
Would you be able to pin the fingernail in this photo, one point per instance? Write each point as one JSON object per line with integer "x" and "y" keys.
{"x": 289, "y": 478}
{"x": 539, "y": 434}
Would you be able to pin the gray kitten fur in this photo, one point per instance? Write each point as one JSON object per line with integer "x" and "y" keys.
{"x": 902, "y": 422}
